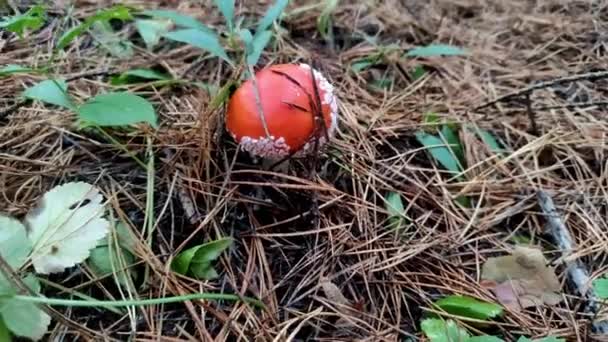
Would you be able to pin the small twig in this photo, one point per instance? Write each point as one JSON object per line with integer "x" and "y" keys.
{"x": 591, "y": 76}
{"x": 575, "y": 105}
{"x": 576, "y": 270}
{"x": 531, "y": 114}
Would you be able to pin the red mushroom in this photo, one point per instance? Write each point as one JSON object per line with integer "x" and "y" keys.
{"x": 285, "y": 94}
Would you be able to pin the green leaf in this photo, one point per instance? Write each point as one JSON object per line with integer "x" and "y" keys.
{"x": 5, "y": 335}
{"x": 601, "y": 288}
{"x": 14, "y": 69}
{"x": 418, "y": 72}
{"x": 360, "y": 65}
{"x": 33, "y": 19}
{"x": 106, "y": 260}
{"x": 271, "y": 15}
{"x": 469, "y": 307}
{"x": 24, "y": 319}
{"x": 438, "y": 330}
{"x": 117, "y": 109}
{"x": 484, "y": 338}
{"x": 544, "y": 339}
{"x": 14, "y": 243}
{"x": 203, "y": 270}
{"x": 453, "y": 142}
{"x": 325, "y": 16}
{"x": 132, "y": 76}
{"x": 439, "y": 151}
{"x": 247, "y": 38}
{"x": 151, "y": 30}
{"x": 227, "y": 9}
{"x": 436, "y": 50}
{"x": 50, "y": 91}
{"x": 488, "y": 139}
{"x": 116, "y": 12}
{"x": 259, "y": 42}
{"x": 203, "y": 40}
{"x": 178, "y": 19}
{"x": 396, "y": 210}
{"x": 431, "y": 118}
{"x": 201, "y": 254}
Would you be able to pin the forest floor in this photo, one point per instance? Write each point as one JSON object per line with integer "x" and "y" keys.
{"x": 298, "y": 258}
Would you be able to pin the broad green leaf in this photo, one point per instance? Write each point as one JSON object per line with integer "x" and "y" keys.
{"x": 247, "y": 38}
{"x": 14, "y": 69}
{"x": 259, "y": 42}
{"x": 178, "y": 19}
{"x": 5, "y": 335}
{"x": 33, "y": 19}
{"x": 438, "y": 330}
{"x": 151, "y": 30}
{"x": 203, "y": 270}
{"x": 65, "y": 226}
{"x": 14, "y": 244}
{"x": 469, "y": 307}
{"x": 200, "y": 254}
{"x": 453, "y": 142}
{"x": 132, "y": 76}
{"x": 324, "y": 17}
{"x": 273, "y": 13}
{"x": 24, "y": 319}
{"x": 32, "y": 282}
{"x": 436, "y": 50}
{"x": 484, "y": 338}
{"x": 116, "y": 12}
{"x": 117, "y": 109}
{"x": 439, "y": 151}
{"x": 106, "y": 260}
{"x": 601, "y": 287}
{"x": 227, "y": 9}
{"x": 203, "y": 40}
{"x": 50, "y": 91}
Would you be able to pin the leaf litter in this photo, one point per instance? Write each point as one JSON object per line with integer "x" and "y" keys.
{"x": 522, "y": 279}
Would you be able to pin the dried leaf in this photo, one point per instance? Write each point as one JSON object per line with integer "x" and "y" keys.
{"x": 522, "y": 279}
{"x": 333, "y": 293}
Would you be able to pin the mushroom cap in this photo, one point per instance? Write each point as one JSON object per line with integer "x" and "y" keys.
{"x": 287, "y": 112}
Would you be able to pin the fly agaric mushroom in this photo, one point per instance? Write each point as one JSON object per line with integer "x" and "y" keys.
{"x": 288, "y": 125}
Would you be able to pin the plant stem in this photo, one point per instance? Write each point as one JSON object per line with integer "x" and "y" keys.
{"x": 140, "y": 302}
{"x": 121, "y": 146}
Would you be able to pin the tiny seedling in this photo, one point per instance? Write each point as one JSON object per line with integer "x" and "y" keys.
{"x": 196, "y": 261}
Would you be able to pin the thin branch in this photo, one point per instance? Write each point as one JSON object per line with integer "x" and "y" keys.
{"x": 576, "y": 270}
{"x": 591, "y": 76}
